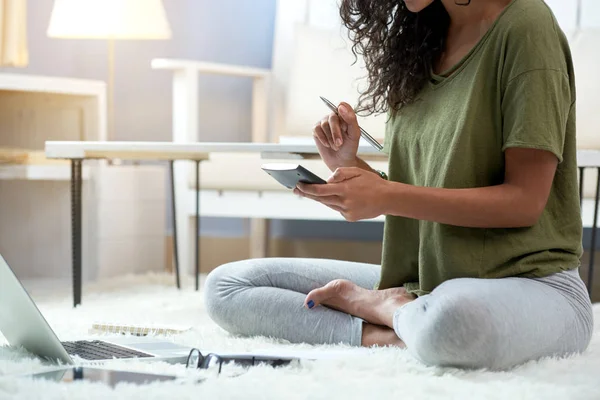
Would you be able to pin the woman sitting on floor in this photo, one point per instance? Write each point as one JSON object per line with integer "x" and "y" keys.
{"x": 483, "y": 231}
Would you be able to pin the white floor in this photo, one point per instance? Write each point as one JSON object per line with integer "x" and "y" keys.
{"x": 382, "y": 373}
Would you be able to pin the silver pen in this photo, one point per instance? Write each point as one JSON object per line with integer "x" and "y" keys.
{"x": 363, "y": 133}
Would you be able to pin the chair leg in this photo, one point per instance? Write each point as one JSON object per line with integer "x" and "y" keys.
{"x": 184, "y": 218}
{"x": 76, "y": 228}
{"x": 581, "y": 177}
{"x": 197, "y": 226}
{"x": 594, "y": 231}
{"x": 174, "y": 215}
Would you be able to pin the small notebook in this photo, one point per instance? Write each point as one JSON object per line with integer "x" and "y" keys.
{"x": 137, "y": 330}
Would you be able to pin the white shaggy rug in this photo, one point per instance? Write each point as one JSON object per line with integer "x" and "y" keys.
{"x": 381, "y": 374}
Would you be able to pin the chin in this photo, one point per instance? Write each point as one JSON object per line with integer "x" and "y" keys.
{"x": 417, "y": 5}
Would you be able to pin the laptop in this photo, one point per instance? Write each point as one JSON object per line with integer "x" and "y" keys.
{"x": 23, "y": 325}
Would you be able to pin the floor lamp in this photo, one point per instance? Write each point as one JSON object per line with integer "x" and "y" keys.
{"x": 109, "y": 20}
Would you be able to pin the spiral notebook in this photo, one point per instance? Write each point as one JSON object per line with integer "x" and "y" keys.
{"x": 138, "y": 330}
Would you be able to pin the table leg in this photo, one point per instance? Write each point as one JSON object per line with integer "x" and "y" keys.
{"x": 594, "y": 231}
{"x": 174, "y": 216}
{"x": 197, "y": 226}
{"x": 76, "y": 233}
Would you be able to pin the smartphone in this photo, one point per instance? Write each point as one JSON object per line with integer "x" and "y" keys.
{"x": 290, "y": 174}
{"x": 106, "y": 376}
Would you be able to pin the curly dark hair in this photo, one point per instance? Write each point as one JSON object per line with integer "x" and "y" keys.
{"x": 399, "y": 48}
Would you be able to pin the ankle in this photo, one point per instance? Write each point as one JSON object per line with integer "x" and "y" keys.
{"x": 374, "y": 335}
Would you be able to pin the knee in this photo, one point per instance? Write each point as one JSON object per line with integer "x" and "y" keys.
{"x": 224, "y": 285}
{"x": 455, "y": 333}
{"x": 217, "y": 288}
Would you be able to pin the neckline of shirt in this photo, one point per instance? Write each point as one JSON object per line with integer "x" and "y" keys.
{"x": 439, "y": 80}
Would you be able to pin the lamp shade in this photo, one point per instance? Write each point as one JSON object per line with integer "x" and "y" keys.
{"x": 109, "y": 19}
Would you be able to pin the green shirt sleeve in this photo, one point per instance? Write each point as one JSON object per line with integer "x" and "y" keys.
{"x": 535, "y": 109}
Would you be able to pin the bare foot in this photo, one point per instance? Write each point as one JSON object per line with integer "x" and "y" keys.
{"x": 374, "y": 335}
{"x": 374, "y": 306}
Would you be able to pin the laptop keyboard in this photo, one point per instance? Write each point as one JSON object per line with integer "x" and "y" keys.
{"x": 98, "y": 350}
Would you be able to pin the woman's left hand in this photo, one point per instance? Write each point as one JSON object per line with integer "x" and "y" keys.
{"x": 354, "y": 192}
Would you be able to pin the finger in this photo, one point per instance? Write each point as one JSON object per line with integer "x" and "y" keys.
{"x": 338, "y": 209}
{"x": 344, "y": 127}
{"x": 349, "y": 117}
{"x": 327, "y": 129}
{"x": 336, "y": 130}
{"x": 330, "y": 201}
{"x": 320, "y": 190}
{"x": 344, "y": 174}
{"x": 319, "y": 135}
{"x": 335, "y": 205}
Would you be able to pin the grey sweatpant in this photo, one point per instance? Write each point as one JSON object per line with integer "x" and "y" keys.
{"x": 471, "y": 323}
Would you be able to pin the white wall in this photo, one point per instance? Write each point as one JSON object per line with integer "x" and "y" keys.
{"x": 566, "y": 13}
{"x": 225, "y": 31}
{"x": 585, "y": 47}
{"x": 325, "y": 14}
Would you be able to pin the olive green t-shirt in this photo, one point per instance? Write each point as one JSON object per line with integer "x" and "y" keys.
{"x": 515, "y": 88}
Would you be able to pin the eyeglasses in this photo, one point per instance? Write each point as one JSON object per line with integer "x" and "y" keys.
{"x": 214, "y": 361}
{"x": 198, "y": 360}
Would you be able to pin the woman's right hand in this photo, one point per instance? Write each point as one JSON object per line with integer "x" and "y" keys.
{"x": 337, "y": 138}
